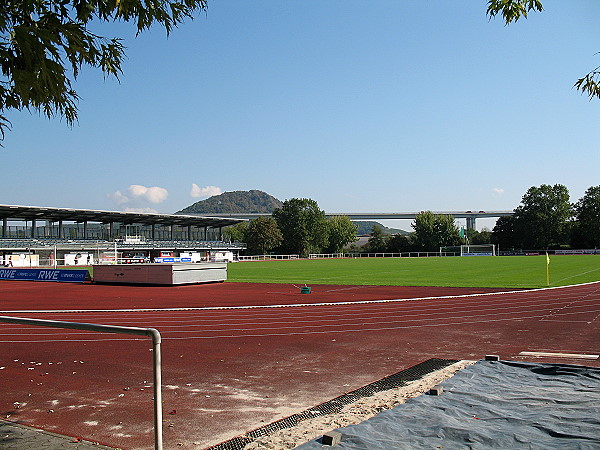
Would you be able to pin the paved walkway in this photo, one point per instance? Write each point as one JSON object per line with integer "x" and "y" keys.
{"x": 20, "y": 437}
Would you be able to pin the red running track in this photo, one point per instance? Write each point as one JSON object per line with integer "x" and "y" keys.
{"x": 228, "y": 368}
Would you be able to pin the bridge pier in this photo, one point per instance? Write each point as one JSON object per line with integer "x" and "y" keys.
{"x": 471, "y": 223}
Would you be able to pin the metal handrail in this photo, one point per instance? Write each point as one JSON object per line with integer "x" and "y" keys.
{"x": 156, "y": 355}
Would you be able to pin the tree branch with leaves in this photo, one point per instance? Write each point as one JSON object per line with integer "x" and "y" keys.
{"x": 513, "y": 10}
{"x": 45, "y": 43}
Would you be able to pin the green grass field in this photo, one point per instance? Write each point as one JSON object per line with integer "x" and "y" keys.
{"x": 480, "y": 271}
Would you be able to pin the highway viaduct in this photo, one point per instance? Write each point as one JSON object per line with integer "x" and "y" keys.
{"x": 471, "y": 216}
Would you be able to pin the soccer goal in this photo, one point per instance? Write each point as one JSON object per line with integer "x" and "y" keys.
{"x": 478, "y": 250}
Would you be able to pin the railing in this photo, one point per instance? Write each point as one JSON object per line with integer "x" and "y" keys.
{"x": 381, "y": 255}
{"x": 326, "y": 255}
{"x": 267, "y": 257}
{"x": 347, "y": 255}
{"x": 156, "y": 355}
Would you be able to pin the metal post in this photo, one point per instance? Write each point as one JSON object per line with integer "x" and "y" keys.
{"x": 157, "y": 364}
{"x": 156, "y": 355}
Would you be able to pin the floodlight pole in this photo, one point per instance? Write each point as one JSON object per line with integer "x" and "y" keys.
{"x": 156, "y": 355}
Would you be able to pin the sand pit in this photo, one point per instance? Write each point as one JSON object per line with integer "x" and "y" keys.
{"x": 354, "y": 413}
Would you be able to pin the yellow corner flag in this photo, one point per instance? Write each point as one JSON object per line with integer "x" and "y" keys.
{"x": 547, "y": 270}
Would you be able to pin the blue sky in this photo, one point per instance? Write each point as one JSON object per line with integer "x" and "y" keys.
{"x": 383, "y": 106}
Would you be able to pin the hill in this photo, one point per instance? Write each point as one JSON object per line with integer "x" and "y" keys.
{"x": 365, "y": 228}
{"x": 253, "y": 201}
{"x": 259, "y": 202}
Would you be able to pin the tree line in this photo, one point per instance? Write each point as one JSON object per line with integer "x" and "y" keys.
{"x": 299, "y": 227}
{"x": 545, "y": 219}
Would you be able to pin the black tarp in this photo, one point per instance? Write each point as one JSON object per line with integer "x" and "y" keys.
{"x": 491, "y": 404}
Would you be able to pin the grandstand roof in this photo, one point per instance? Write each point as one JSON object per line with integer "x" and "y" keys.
{"x": 17, "y": 212}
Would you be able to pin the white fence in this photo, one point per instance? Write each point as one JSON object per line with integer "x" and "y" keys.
{"x": 380, "y": 255}
{"x": 347, "y": 256}
{"x": 267, "y": 257}
{"x": 85, "y": 259}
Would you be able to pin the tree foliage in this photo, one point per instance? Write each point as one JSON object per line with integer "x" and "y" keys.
{"x": 303, "y": 225}
{"x": 263, "y": 235}
{"x": 503, "y": 233}
{"x": 45, "y": 43}
{"x": 541, "y": 218}
{"x": 432, "y": 231}
{"x": 341, "y": 233}
{"x": 237, "y": 232}
{"x": 513, "y": 10}
{"x": 546, "y": 219}
{"x": 377, "y": 242}
{"x": 399, "y": 243}
{"x": 479, "y": 237}
{"x": 586, "y": 231}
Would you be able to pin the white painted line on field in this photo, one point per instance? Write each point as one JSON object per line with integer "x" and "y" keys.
{"x": 559, "y": 355}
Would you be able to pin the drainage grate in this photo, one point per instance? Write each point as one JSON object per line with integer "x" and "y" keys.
{"x": 337, "y": 404}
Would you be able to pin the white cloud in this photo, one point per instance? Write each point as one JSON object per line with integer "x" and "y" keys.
{"x": 204, "y": 192}
{"x": 151, "y": 194}
{"x": 137, "y": 198}
{"x": 498, "y": 191}
{"x": 118, "y": 197}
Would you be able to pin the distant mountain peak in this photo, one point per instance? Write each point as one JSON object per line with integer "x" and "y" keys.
{"x": 249, "y": 202}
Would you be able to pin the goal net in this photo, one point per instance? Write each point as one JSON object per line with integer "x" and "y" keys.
{"x": 478, "y": 250}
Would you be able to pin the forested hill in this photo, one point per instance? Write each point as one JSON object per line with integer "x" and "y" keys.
{"x": 365, "y": 228}
{"x": 259, "y": 202}
{"x": 253, "y": 201}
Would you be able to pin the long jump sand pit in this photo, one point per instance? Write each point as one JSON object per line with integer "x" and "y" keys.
{"x": 229, "y": 368}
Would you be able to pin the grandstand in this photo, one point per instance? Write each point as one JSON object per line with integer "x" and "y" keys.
{"x": 53, "y": 233}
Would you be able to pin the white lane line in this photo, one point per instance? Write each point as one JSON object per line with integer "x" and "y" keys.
{"x": 304, "y": 305}
{"x": 518, "y": 293}
{"x": 300, "y": 333}
{"x": 560, "y": 355}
